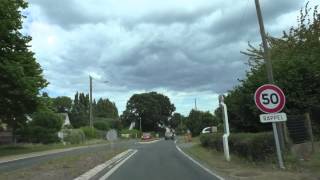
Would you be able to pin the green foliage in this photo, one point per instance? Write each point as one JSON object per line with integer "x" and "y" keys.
{"x": 197, "y": 120}
{"x": 133, "y": 133}
{"x": 100, "y": 125}
{"x": 62, "y": 104}
{"x": 252, "y": 146}
{"x": 105, "y": 108}
{"x": 176, "y": 120}
{"x": 79, "y": 115}
{"x": 74, "y": 136}
{"x": 90, "y": 133}
{"x": 152, "y": 108}
{"x": 21, "y": 76}
{"x": 43, "y": 128}
{"x": 296, "y": 66}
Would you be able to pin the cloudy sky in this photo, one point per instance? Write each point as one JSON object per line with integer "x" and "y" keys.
{"x": 185, "y": 49}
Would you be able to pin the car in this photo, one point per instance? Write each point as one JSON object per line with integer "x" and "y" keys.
{"x": 169, "y": 134}
{"x": 206, "y": 130}
{"x": 146, "y": 136}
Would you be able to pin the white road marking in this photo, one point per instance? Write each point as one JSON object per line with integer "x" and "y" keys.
{"x": 111, "y": 171}
{"x": 149, "y": 142}
{"x": 92, "y": 172}
{"x": 196, "y": 162}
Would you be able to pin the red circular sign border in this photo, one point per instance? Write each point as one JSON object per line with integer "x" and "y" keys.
{"x": 275, "y": 88}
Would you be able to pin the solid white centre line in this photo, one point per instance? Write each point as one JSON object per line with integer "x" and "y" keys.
{"x": 111, "y": 171}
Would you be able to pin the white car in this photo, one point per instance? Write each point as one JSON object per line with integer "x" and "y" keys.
{"x": 206, "y": 130}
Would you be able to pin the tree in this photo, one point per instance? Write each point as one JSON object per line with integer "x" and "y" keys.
{"x": 21, "y": 76}
{"x": 296, "y": 66}
{"x": 105, "y": 108}
{"x": 151, "y": 108}
{"x": 79, "y": 115}
{"x": 62, "y": 104}
{"x": 176, "y": 120}
{"x": 43, "y": 128}
{"x": 197, "y": 120}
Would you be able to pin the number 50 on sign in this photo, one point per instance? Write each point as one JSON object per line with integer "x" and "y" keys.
{"x": 269, "y": 98}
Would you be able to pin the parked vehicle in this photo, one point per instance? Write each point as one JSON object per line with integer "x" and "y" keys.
{"x": 169, "y": 134}
{"x": 206, "y": 130}
{"x": 146, "y": 136}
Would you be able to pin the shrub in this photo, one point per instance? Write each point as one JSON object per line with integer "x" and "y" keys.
{"x": 74, "y": 136}
{"x": 103, "y": 126}
{"x": 133, "y": 133}
{"x": 43, "y": 128}
{"x": 252, "y": 146}
{"x": 89, "y": 132}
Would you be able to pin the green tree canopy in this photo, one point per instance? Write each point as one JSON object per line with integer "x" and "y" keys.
{"x": 296, "y": 66}
{"x": 62, "y": 104}
{"x": 79, "y": 115}
{"x": 152, "y": 108}
{"x": 21, "y": 76}
{"x": 105, "y": 108}
{"x": 197, "y": 120}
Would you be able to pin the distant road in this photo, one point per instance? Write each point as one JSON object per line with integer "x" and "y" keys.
{"x": 28, "y": 162}
{"x": 160, "y": 161}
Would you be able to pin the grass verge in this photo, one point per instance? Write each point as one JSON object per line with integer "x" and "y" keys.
{"x": 67, "y": 167}
{"x": 240, "y": 168}
{"x": 8, "y": 150}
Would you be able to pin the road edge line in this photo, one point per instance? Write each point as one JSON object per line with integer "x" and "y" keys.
{"x": 116, "y": 167}
{"x": 95, "y": 170}
{"x": 200, "y": 165}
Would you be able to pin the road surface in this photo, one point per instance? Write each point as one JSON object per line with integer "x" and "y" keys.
{"x": 160, "y": 161}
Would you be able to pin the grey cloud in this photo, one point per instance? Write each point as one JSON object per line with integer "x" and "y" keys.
{"x": 197, "y": 58}
{"x": 65, "y": 13}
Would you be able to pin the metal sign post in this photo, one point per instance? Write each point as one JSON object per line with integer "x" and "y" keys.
{"x": 270, "y": 99}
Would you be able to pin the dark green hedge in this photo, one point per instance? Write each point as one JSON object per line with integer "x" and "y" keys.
{"x": 252, "y": 146}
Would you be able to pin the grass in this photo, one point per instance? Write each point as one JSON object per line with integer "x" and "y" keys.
{"x": 8, "y": 150}
{"x": 240, "y": 168}
{"x": 67, "y": 167}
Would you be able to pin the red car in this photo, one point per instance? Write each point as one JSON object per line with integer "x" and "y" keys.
{"x": 146, "y": 136}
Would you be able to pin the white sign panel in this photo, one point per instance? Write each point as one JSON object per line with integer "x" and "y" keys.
{"x": 274, "y": 117}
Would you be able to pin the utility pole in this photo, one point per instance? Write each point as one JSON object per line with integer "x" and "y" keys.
{"x": 195, "y": 104}
{"x": 90, "y": 111}
{"x": 277, "y": 127}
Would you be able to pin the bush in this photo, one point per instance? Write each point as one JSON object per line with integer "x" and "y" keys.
{"x": 74, "y": 136}
{"x": 89, "y": 132}
{"x": 103, "y": 126}
{"x": 43, "y": 128}
{"x": 252, "y": 146}
{"x": 133, "y": 133}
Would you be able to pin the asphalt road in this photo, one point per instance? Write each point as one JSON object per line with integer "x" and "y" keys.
{"x": 28, "y": 162}
{"x": 160, "y": 161}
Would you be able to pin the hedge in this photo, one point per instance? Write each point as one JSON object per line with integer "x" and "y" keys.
{"x": 74, "y": 136}
{"x": 252, "y": 146}
{"x": 90, "y": 133}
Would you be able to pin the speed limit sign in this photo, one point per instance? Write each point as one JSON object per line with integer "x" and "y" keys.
{"x": 270, "y": 98}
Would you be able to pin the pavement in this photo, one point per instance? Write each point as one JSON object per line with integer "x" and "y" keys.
{"x": 21, "y": 161}
{"x": 158, "y": 161}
